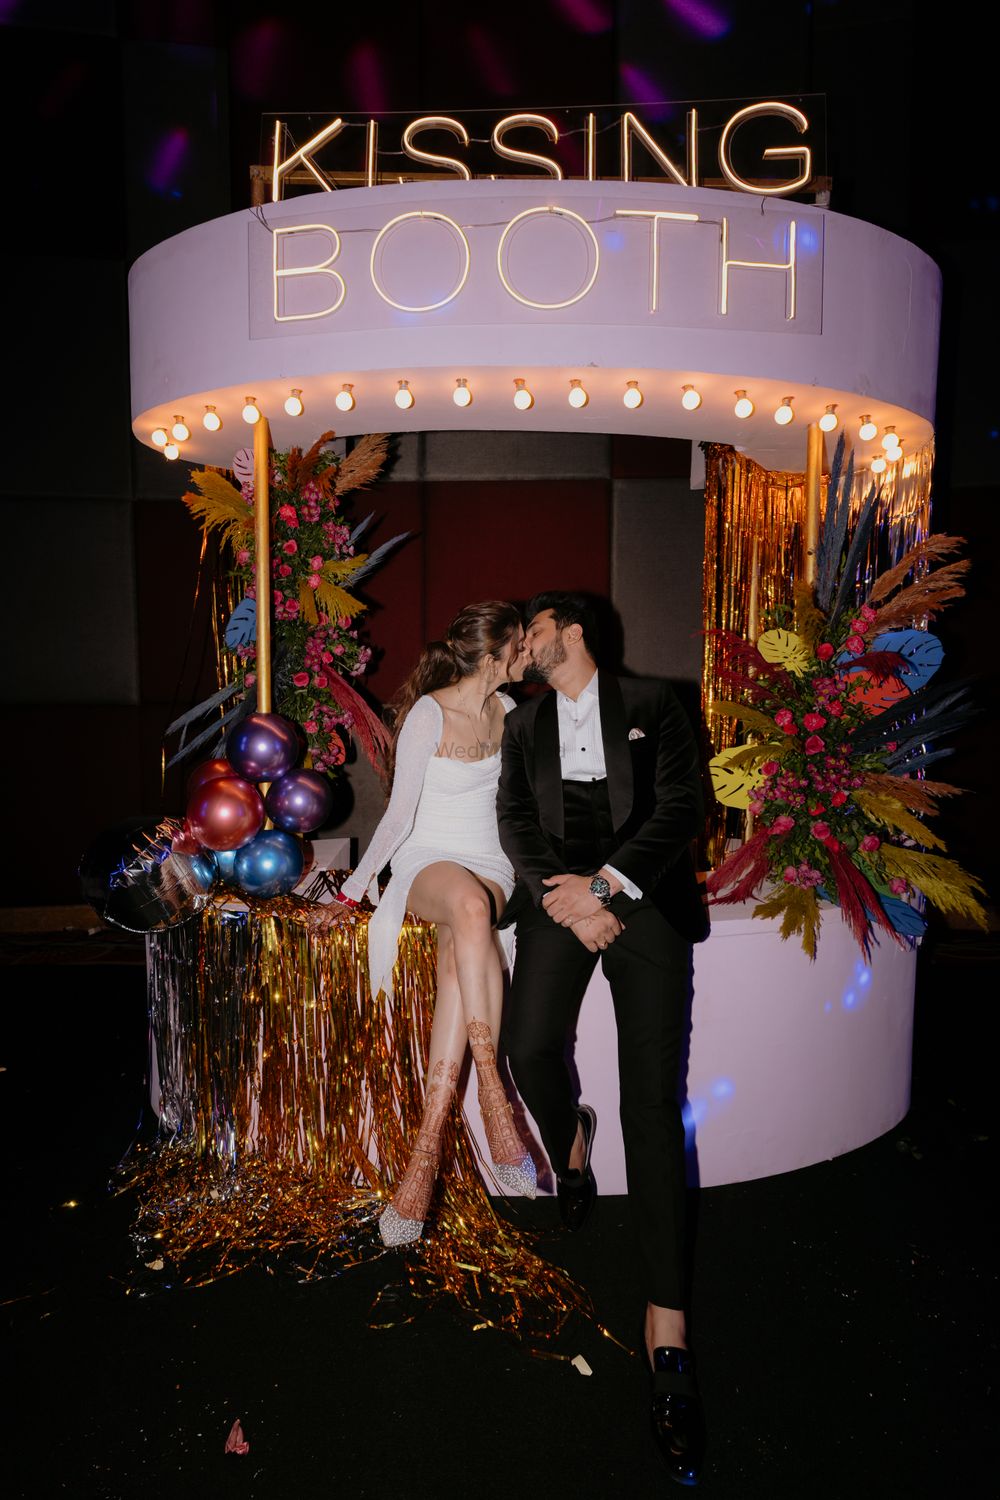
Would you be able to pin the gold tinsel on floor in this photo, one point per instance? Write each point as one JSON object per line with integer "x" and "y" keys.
{"x": 287, "y": 1103}
{"x": 754, "y": 519}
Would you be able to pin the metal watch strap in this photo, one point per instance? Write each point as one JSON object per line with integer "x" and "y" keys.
{"x": 600, "y": 888}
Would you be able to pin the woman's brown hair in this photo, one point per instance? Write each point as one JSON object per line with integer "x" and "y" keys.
{"x": 478, "y": 630}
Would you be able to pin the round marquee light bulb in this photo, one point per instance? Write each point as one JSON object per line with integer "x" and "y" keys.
{"x": 171, "y": 451}
{"x": 344, "y": 399}
{"x": 293, "y": 403}
{"x": 744, "y": 406}
{"x": 828, "y": 421}
{"x": 893, "y": 454}
{"x": 690, "y": 399}
{"x": 577, "y": 397}
{"x": 211, "y": 421}
{"x": 890, "y": 440}
{"x": 784, "y": 413}
{"x": 404, "y": 396}
{"x": 251, "y": 411}
{"x": 461, "y": 395}
{"x": 878, "y": 465}
{"x": 867, "y": 430}
{"x": 633, "y": 396}
{"x": 159, "y": 437}
{"x": 523, "y": 399}
{"x": 180, "y": 432}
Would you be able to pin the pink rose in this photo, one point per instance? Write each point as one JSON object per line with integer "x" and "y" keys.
{"x": 756, "y": 808}
{"x": 284, "y": 571}
{"x": 290, "y": 548}
{"x": 820, "y": 831}
{"x": 868, "y": 614}
{"x": 813, "y": 745}
{"x": 836, "y": 708}
{"x": 242, "y": 557}
{"x": 824, "y": 651}
{"x": 321, "y": 680}
{"x": 898, "y": 886}
{"x": 310, "y": 726}
{"x": 316, "y": 563}
{"x": 250, "y": 679}
{"x": 289, "y": 515}
{"x": 815, "y": 811}
{"x": 783, "y": 824}
{"x": 328, "y": 657}
{"x": 785, "y": 719}
{"x": 291, "y": 608}
{"x": 891, "y": 745}
{"x": 338, "y": 650}
{"x": 859, "y": 626}
{"x": 790, "y": 874}
{"x": 855, "y": 645}
{"x": 313, "y": 580}
{"x": 769, "y": 768}
{"x": 838, "y": 799}
{"x": 301, "y": 679}
{"x": 870, "y": 843}
{"x": 813, "y": 721}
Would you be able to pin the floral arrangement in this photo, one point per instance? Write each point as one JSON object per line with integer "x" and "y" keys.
{"x": 317, "y": 651}
{"x": 845, "y": 723}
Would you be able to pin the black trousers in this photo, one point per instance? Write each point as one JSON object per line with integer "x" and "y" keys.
{"x": 648, "y": 968}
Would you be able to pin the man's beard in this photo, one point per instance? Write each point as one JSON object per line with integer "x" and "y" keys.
{"x": 540, "y": 668}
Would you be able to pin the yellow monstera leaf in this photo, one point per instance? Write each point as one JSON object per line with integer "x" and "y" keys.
{"x": 784, "y": 649}
{"x": 734, "y": 782}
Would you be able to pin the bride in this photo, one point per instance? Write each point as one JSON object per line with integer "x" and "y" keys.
{"x": 439, "y": 835}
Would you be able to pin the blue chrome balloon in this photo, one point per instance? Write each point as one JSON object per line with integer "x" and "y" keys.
{"x": 299, "y": 802}
{"x": 270, "y": 865}
{"x": 263, "y": 747}
{"x": 226, "y": 860}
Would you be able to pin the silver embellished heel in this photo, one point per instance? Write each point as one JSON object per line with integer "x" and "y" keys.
{"x": 395, "y": 1230}
{"x": 517, "y": 1177}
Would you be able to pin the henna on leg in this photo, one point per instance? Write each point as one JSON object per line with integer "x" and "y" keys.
{"x": 412, "y": 1198}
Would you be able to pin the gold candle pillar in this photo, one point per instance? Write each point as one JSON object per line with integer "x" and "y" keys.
{"x": 814, "y": 475}
{"x": 262, "y": 537}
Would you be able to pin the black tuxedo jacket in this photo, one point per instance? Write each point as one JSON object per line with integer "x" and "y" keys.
{"x": 654, "y": 789}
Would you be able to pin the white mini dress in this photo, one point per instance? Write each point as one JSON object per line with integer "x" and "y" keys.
{"x": 440, "y": 808}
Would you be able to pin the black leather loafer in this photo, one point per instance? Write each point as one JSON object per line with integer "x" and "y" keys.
{"x": 678, "y": 1419}
{"x": 577, "y": 1191}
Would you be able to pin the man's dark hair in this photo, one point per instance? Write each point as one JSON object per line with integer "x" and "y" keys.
{"x": 568, "y": 609}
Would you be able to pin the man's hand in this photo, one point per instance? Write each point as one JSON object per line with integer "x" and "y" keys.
{"x": 599, "y": 931}
{"x": 571, "y": 900}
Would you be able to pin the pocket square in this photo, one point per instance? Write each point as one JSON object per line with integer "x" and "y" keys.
{"x": 636, "y": 734}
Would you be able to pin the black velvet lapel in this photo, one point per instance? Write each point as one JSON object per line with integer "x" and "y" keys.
{"x": 548, "y": 768}
{"x": 617, "y": 759}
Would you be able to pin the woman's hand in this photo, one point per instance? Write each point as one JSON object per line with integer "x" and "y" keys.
{"x": 330, "y": 914}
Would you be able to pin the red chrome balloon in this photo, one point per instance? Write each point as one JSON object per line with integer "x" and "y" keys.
{"x": 209, "y": 770}
{"x": 226, "y": 813}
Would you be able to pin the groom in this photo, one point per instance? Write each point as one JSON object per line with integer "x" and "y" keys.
{"x": 599, "y": 800}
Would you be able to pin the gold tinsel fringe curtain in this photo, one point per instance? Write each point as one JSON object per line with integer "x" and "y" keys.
{"x": 754, "y": 520}
{"x": 288, "y": 1104}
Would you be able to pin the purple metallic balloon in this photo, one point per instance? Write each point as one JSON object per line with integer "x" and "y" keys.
{"x": 263, "y": 747}
{"x": 299, "y": 802}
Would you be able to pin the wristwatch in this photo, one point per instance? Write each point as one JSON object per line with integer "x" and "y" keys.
{"x": 601, "y": 888}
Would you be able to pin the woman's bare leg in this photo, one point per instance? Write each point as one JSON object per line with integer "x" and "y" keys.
{"x": 452, "y": 896}
{"x": 411, "y": 1199}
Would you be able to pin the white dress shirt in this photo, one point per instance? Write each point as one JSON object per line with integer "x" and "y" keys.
{"x": 581, "y": 751}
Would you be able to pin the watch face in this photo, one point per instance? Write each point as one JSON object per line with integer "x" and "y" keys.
{"x": 601, "y": 888}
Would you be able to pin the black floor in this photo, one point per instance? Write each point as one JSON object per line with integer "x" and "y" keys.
{"x": 842, "y": 1314}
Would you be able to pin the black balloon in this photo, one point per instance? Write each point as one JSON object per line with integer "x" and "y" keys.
{"x": 134, "y": 878}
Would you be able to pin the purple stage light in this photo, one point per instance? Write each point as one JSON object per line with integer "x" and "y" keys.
{"x": 491, "y": 65}
{"x": 168, "y": 160}
{"x": 591, "y": 16}
{"x": 706, "y": 21}
{"x": 639, "y": 88}
{"x": 364, "y": 72}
